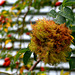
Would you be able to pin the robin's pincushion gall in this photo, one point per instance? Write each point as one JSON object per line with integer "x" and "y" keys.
{"x": 50, "y": 41}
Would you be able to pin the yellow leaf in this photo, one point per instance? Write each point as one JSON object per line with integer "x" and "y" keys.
{"x": 19, "y": 22}
{"x": 6, "y": 29}
{"x": 0, "y": 26}
{"x": 0, "y": 57}
{"x": 8, "y": 24}
{"x": 18, "y": 12}
{"x": 7, "y": 41}
{"x": 14, "y": 14}
{"x": 61, "y": 73}
{"x": 13, "y": 8}
{"x": 21, "y": 56}
{"x": 4, "y": 12}
{"x": 28, "y": 65}
{"x": 66, "y": 73}
{"x": 24, "y": 3}
{"x": 10, "y": 20}
{"x": 8, "y": 69}
{"x": 21, "y": 69}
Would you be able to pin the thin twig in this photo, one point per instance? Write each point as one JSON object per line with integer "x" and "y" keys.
{"x": 26, "y": 13}
{"x": 34, "y": 65}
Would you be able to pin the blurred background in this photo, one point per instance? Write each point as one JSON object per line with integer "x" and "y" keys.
{"x": 24, "y": 39}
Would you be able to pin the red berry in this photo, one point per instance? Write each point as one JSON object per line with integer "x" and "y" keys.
{"x": 9, "y": 35}
{"x": 6, "y": 19}
{"x": 17, "y": 63}
{"x": 9, "y": 48}
{"x": 3, "y": 21}
{"x": 42, "y": 69}
{"x": 0, "y": 19}
{"x": 2, "y": 16}
{"x": 4, "y": 63}
{"x": 7, "y": 59}
{"x": 7, "y": 63}
{"x": 28, "y": 33}
{"x": 2, "y": 2}
{"x": 58, "y": 3}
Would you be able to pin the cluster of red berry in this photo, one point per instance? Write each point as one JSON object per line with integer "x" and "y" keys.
{"x": 6, "y": 62}
{"x": 3, "y": 19}
{"x": 2, "y": 2}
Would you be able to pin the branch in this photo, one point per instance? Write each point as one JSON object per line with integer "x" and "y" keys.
{"x": 34, "y": 65}
{"x": 26, "y": 13}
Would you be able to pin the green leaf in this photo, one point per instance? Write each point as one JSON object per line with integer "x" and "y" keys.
{"x": 35, "y": 57}
{"x": 52, "y": 13}
{"x": 60, "y": 7}
{"x": 73, "y": 51}
{"x": 72, "y": 63}
{"x": 29, "y": 73}
{"x": 73, "y": 28}
{"x": 67, "y": 13}
{"x": 68, "y": 55}
{"x": 26, "y": 57}
{"x": 19, "y": 53}
{"x": 64, "y": 2}
{"x": 69, "y": 3}
{"x": 16, "y": 2}
{"x": 60, "y": 19}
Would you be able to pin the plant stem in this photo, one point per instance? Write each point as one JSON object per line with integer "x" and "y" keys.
{"x": 34, "y": 65}
{"x": 26, "y": 13}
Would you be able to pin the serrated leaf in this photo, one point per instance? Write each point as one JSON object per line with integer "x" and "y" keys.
{"x": 67, "y": 13}
{"x": 72, "y": 63}
{"x": 52, "y": 13}
{"x": 19, "y": 53}
{"x": 60, "y": 19}
{"x": 26, "y": 57}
